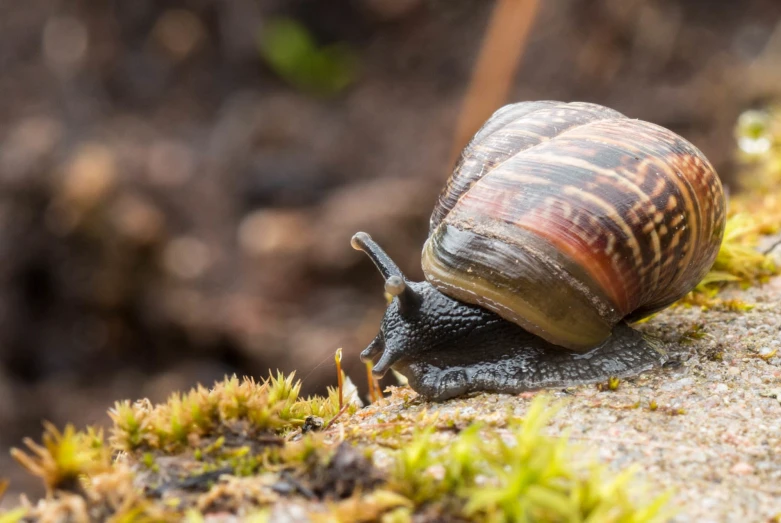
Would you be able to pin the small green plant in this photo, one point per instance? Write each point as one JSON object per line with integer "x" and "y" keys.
{"x": 412, "y": 467}
{"x": 290, "y": 50}
{"x": 13, "y": 515}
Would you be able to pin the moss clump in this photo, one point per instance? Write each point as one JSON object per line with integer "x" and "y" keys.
{"x": 738, "y": 259}
{"x": 65, "y": 457}
{"x": 270, "y": 406}
{"x": 515, "y": 474}
{"x": 239, "y": 448}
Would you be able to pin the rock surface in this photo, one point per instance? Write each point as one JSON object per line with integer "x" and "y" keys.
{"x": 707, "y": 426}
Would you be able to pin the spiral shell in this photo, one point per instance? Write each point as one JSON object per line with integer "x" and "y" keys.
{"x": 566, "y": 218}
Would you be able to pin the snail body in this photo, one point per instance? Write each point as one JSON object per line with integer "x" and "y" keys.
{"x": 560, "y": 223}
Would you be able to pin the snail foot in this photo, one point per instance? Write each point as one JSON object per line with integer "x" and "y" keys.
{"x": 524, "y": 362}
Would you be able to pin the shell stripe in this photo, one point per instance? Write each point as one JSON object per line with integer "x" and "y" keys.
{"x": 655, "y": 142}
{"x": 494, "y": 135}
{"x": 612, "y": 213}
{"x": 523, "y": 151}
{"x": 687, "y": 192}
{"x": 492, "y": 200}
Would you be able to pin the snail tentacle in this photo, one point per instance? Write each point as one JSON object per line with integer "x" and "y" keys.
{"x": 395, "y": 282}
{"x": 409, "y": 302}
{"x": 361, "y": 241}
{"x": 375, "y": 347}
{"x": 388, "y": 358}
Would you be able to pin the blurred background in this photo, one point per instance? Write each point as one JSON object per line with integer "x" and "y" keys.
{"x": 179, "y": 180}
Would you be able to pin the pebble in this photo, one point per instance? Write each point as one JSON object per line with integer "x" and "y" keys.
{"x": 733, "y": 371}
{"x": 741, "y": 469}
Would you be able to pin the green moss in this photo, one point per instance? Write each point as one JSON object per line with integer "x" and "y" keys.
{"x": 271, "y": 405}
{"x": 693, "y": 333}
{"x": 612, "y": 384}
{"x": 12, "y": 516}
{"x": 482, "y": 475}
{"x": 502, "y": 471}
{"x": 738, "y": 262}
{"x": 65, "y": 457}
{"x": 738, "y": 258}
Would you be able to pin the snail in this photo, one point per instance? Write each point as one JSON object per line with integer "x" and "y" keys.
{"x": 561, "y": 224}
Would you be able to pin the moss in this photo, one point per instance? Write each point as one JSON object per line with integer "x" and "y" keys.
{"x": 527, "y": 477}
{"x": 386, "y": 505}
{"x": 738, "y": 258}
{"x": 695, "y": 332}
{"x": 239, "y": 448}
{"x": 13, "y": 516}
{"x": 65, "y": 457}
{"x": 612, "y": 384}
{"x": 272, "y": 405}
{"x": 482, "y": 474}
{"x": 739, "y": 262}
{"x": 715, "y": 354}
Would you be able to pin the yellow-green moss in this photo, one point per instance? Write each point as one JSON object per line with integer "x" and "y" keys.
{"x": 271, "y": 405}
{"x": 65, "y": 457}
{"x": 484, "y": 475}
{"x": 248, "y": 433}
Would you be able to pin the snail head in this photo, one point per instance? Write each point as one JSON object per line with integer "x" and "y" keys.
{"x": 419, "y": 318}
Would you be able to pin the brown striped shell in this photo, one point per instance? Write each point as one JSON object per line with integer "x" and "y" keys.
{"x": 566, "y": 218}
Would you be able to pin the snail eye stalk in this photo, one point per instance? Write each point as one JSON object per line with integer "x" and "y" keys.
{"x": 363, "y": 242}
{"x": 395, "y": 285}
{"x": 409, "y": 302}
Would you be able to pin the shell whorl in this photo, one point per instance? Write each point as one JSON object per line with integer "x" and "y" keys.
{"x": 566, "y": 218}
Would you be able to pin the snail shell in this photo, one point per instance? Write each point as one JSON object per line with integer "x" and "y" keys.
{"x": 566, "y": 218}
